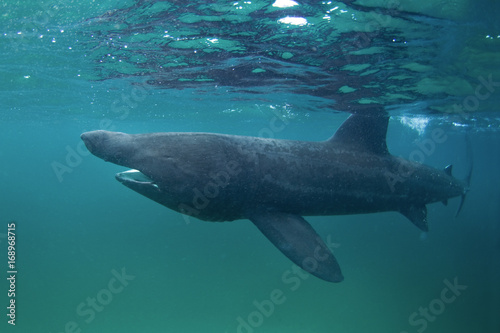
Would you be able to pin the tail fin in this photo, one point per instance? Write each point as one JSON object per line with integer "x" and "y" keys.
{"x": 469, "y": 157}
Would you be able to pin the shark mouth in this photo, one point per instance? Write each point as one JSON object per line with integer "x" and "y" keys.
{"x": 135, "y": 177}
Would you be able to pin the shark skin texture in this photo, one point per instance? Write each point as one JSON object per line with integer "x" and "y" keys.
{"x": 274, "y": 183}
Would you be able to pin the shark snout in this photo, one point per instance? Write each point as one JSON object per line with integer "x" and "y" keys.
{"x": 112, "y": 147}
{"x": 88, "y": 139}
{"x": 101, "y": 143}
{"x": 98, "y": 140}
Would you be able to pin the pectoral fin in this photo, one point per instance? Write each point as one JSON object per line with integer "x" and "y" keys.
{"x": 293, "y": 236}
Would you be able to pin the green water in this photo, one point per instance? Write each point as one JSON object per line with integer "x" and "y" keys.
{"x": 93, "y": 256}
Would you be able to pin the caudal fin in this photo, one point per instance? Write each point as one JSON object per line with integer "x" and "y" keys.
{"x": 467, "y": 179}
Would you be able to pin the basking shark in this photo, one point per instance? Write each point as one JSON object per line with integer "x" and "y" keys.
{"x": 273, "y": 183}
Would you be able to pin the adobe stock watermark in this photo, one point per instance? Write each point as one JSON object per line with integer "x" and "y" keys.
{"x": 292, "y": 278}
{"x": 38, "y": 23}
{"x": 425, "y": 148}
{"x": 87, "y": 310}
{"x": 484, "y": 89}
{"x": 372, "y": 28}
{"x": 121, "y": 109}
{"x": 420, "y": 319}
{"x": 278, "y": 122}
{"x": 203, "y": 195}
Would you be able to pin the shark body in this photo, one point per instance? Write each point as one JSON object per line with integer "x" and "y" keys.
{"x": 274, "y": 183}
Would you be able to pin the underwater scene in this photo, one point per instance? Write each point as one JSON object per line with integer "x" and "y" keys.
{"x": 318, "y": 166}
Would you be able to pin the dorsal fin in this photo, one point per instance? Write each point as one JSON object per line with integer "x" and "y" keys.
{"x": 364, "y": 132}
{"x": 447, "y": 169}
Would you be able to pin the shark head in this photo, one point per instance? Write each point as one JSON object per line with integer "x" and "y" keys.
{"x": 173, "y": 169}
{"x": 160, "y": 164}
